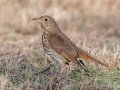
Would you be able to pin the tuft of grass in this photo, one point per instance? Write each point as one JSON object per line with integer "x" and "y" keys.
{"x": 23, "y": 63}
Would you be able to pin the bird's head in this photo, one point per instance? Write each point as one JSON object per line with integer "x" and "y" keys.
{"x": 46, "y": 22}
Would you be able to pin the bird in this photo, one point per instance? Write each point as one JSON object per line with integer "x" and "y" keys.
{"x": 58, "y": 46}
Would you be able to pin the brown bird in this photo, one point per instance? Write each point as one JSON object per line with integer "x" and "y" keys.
{"x": 58, "y": 46}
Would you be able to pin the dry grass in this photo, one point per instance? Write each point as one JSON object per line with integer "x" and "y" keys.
{"x": 95, "y": 28}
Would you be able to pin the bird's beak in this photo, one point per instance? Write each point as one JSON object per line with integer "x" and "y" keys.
{"x": 36, "y": 19}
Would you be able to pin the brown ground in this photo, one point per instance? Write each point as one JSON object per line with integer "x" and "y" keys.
{"x": 92, "y": 24}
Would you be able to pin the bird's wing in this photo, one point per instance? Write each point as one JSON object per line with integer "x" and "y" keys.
{"x": 64, "y": 47}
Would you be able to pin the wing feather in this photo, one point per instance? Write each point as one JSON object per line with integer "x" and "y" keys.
{"x": 63, "y": 47}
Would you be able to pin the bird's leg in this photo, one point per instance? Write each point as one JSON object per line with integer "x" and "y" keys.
{"x": 68, "y": 68}
{"x": 62, "y": 67}
{"x": 65, "y": 68}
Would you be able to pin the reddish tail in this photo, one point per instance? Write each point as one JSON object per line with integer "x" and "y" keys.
{"x": 89, "y": 57}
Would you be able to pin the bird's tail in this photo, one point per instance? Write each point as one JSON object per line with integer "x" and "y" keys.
{"x": 89, "y": 57}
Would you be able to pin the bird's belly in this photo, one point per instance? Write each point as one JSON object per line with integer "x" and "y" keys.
{"x": 52, "y": 53}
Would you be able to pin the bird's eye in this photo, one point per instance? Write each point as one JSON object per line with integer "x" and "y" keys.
{"x": 46, "y": 19}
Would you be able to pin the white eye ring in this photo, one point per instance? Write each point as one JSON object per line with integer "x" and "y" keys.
{"x": 46, "y": 19}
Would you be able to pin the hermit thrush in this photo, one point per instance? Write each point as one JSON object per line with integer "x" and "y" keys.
{"x": 58, "y": 46}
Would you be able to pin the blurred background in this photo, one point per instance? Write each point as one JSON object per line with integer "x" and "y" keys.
{"x": 96, "y": 21}
{"x": 91, "y": 24}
